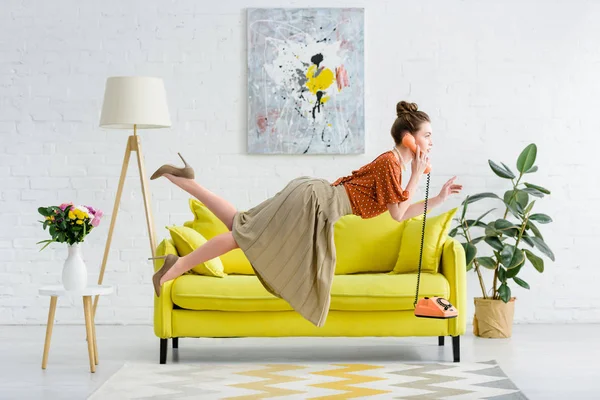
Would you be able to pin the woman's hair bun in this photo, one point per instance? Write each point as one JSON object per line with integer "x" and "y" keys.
{"x": 404, "y": 107}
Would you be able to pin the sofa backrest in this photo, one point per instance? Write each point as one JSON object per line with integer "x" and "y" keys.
{"x": 362, "y": 245}
{"x": 367, "y": 245}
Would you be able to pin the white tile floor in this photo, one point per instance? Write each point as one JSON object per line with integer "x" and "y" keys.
{"x": 544, "y": 361}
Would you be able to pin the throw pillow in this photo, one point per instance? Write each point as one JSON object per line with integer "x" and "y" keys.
{"x": 166, "y": 246}
{"x": 208, "y": 225}
{"x": 366, "y": 245}
{"x": 436, "y": 231}
{"x": 187, "y": 240}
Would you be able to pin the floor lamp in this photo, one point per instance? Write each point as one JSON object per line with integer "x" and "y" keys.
{"x": 133, "y": 103}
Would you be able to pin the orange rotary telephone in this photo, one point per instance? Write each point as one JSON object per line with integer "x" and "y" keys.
{"x": 434, "y": 307}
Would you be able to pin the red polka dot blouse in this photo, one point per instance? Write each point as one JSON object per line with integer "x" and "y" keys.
{"x": 374, "y": 185}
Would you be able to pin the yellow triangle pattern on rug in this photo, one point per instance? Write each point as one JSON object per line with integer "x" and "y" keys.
{"x": 244, "y": 381}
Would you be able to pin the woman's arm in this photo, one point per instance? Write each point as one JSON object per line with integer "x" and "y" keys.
{"x": 418, "y": 208}
{"x": 397, "y": 210}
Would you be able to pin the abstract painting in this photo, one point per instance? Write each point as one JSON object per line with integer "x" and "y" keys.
{"x": 306, "y": 81}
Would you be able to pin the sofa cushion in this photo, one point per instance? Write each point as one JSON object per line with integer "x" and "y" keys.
{"x": 436, "y": 232}
{"x": 187, "y": 240}
{"x": 366, "y": 245}
{"x": 355, "y": 292}
{"x": 208, "y": 225}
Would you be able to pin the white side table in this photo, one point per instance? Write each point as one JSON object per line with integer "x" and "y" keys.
{"x": 90, "y": 326}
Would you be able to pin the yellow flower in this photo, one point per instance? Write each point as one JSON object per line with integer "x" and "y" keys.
{"x": 79, "y": 222}
{"x": 71, "y": 215}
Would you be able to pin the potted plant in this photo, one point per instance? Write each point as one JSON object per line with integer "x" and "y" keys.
{"x": 512, "y": 240}
{"x": 70, "y": 224}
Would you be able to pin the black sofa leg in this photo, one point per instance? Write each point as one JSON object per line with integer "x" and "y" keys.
{"x": 456, "y": 348}
{"x": 163, "y": 350}
{"x": 175, "y": 342}
{"x": 440, "y": 340}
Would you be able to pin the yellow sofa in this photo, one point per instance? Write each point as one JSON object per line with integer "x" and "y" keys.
{"x": 371, "y": 294}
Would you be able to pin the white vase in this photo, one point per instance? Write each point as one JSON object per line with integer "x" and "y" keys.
{"x": 74, "y": 273}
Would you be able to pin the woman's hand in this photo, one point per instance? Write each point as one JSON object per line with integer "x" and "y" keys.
{"x": 419, "y": 163}
{"x": 449, "y": 188}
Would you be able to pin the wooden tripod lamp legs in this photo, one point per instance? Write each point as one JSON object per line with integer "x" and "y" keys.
{"x": 133, "y": 144}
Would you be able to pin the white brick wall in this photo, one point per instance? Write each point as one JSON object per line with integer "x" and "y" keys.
{"x": 494, "y": 77}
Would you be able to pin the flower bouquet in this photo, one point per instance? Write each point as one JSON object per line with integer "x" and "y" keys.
{"x": 69, "y": 223}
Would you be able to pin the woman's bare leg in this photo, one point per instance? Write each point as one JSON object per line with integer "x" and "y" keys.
{"x": 223, "y": 209}
{"x": 216, "y": 246}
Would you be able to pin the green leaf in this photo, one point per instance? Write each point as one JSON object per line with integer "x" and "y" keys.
{"x": 541, "y": 218}
{"x": 511, "y": 200}
{"x": 479, "y": 196}
{"x": 543, "y": 247}
{"x": 522, "y": 199}
{"x": 527, "y": 239}
{"x": 504, "y": 292}
{"x": 477, "y": 239}
{"x": 541, "y": 189}
{"x": 471, "y": 223}
{"x": 46, "y": 245}
{"x": 531, "y": 170}
{"x": 501, "y": 274}
{"x": 518, "y": 259}
{"x": 536, "y": 261}
{"x": 500, "y": 171}
{"x": 507, "y": 169}
{"x": 507, "y": 227}
{"x": 534, "y": 229}
{"x": 506, "y": 254}
{"x": 44, "y": 211}
{"x": 511, "y": 273}
{"x": 521, "y": 282}
{"x": 527, "y": 158}
{"x": 464, "y": 210}
{"x": 486, "y": 262}
{"x": 469, "y": 266}
{"x": 533, "y": 192}
{"x": 490, "y": 230}
{"x": 528, "y": 208}
{"x": 470, "y": 252}
{"x": 511, "y": 257}
{"x": 484, "y": 214}
{"x": 494, "y": 242}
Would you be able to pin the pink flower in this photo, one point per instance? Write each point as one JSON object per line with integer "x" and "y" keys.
{"x": 95, "y": 222}
{"x": 64, "y": 205}
{"x": 99, "y": 213}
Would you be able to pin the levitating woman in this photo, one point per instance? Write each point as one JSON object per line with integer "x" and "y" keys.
{"x": 289, "y": 238}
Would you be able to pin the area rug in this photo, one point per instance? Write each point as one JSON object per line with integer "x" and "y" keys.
{"x": 416, "y": 381}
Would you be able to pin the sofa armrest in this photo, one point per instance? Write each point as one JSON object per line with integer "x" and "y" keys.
{"x": 454, "y": 268}
{"x": 163, "y": 305}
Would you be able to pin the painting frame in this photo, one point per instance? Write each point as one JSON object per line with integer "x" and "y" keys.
{"x": 305, "y": 80}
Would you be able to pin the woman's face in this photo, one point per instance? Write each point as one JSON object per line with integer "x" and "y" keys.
{"x": 423, "y": 137}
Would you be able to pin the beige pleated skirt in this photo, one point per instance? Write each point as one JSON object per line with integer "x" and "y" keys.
{"x": 289, "y": 242}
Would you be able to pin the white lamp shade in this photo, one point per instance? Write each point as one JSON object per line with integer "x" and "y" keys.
{"x": 135, "y": 100}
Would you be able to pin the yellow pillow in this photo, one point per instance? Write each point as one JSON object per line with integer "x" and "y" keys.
{"x": 166, "y": 246}
{"x": 187, "y": 240}
{"x": 366, "y": 245}
{"x": 436, "y": 231}
{"x": 209, "y": 226}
